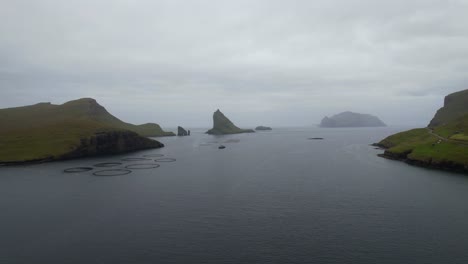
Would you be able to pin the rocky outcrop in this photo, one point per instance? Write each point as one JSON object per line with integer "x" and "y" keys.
{"x": 263, "y": 128}
{"x": 181, "y": 131}
{"x": 350, "y": 119}
{"x": 222, "y": 125}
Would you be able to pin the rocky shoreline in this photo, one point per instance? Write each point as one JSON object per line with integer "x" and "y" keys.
{"x": 445, "y": 165}
{"x": 99, "y": 144}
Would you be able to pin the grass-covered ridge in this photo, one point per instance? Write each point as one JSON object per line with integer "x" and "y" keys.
{"x": 443, "y": 144}
{"x": 47, "y": 131}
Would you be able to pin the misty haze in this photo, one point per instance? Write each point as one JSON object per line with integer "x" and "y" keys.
{"x": 259, "y": 131}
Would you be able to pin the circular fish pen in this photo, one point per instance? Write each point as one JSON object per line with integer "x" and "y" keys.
{"x": 107, "y": 164}
{"x": 135, "y": 159}
{"x": 153, "y": 155}
{"x": 113, "y": 172}
{"x": 165, "y": 160}
{"x": 142, "y": 166}
{"x": 77, "y": 169}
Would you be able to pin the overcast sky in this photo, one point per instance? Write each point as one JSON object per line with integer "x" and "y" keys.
{"x": 278, "y": 63}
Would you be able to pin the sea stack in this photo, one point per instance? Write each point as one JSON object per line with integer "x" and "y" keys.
{"x": 350, "y": 119}
{"x": 181, "y": 131}
{"x": 222, "y": 126}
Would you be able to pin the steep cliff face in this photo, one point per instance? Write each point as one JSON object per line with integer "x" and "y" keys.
{"x": 102, "y": 143}
{"x": 350, "y": 119}
{"x": 455, "y": 106}
{"x": 222, "y": 125}
{"x": 112, "y": 142}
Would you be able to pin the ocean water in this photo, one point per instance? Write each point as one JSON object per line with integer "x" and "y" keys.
{"x": 269, "y": 197}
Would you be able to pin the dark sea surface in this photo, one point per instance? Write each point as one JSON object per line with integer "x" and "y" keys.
{"x": 269, "y": 197}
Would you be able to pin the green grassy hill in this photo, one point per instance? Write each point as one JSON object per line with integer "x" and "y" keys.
{"x": 443, "y": 144}
{"x": 77, "y": 128}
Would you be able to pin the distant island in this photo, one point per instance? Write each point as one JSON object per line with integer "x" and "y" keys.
{"x": 443, "y": 144}
{"x": 263, "y": 128}
{"x": 79, "y": 128}
{"x": 350, "y": 119}
{"x": 222, "y": 125}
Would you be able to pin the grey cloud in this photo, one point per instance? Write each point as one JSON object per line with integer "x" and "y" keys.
{"x": 288, "y": 62}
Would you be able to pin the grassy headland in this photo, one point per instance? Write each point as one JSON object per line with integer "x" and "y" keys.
{"x": 443, "y": 144}
{"x": 77, "y": 128}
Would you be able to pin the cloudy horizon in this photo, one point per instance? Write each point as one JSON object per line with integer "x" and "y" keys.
{"x": 276, "y": 63}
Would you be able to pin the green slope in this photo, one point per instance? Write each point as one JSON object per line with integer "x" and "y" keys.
{"x": 82, "y": 109}
{"x": 444, "y": 144}
{"x": 47, "y": 131}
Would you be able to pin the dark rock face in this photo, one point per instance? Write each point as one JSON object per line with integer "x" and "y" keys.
{"x": 104, "y": 143}
{"x": 112, "y": 142}
{"x": 350, "y": 119}
{"x": 222, "y": 125}
{"x": 181, "y": 131}
{"x": 446, "y": 165}
{"x": 263, "y": 128}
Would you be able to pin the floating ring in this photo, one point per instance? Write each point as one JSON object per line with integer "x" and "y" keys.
{"x": 77, "y": 169}
{"x": 108, "y": 164}
{"x": 154, "y": 155}
{"x": 135, "y": 159}
{"x": 165, "y": 160}
{"x": 142, "y": 166}
{"x": 113, "y": 172}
